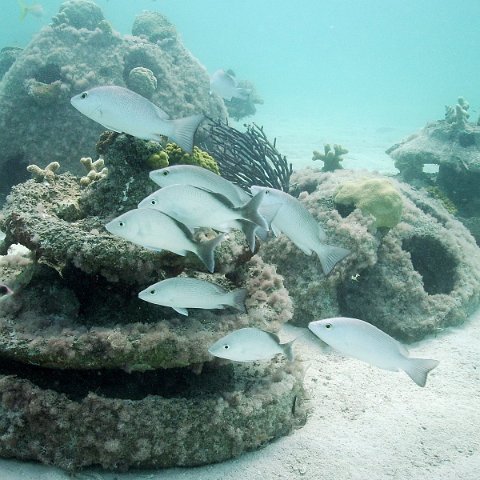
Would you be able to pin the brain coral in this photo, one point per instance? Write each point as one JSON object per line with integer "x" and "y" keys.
{"x": 419, "y": 276}
{"x": 377, "y": 196}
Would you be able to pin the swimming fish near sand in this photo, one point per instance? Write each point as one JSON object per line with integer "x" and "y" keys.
{"x": 250, "y": 344}
{"x": 155, "y": 230}
{"x": 122, "y": 110}
{"x": 363, "y": 341}
{"x": 225, "y": 85}
{"x": 181, "y": 293}
{"x": 299, "y": 225}
{"x": 201, "y": 178}
{"x": 196, "y": 207}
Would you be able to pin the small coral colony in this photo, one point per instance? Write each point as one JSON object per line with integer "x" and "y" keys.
{"x": 192, "y": 197}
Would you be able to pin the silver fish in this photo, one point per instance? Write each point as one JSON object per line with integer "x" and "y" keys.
{"x": 155, "y": 230}
{"x": 121, "y": 110}
{"x": 250, "y": 344}
{"x": 201, "y": 178}
{"x": 225, "y": 85}
{"x": 195, "y": 207}
{"x": 181, "y": 293}
{"x": 299, "y": 225}
{"x": 363, "y": 341}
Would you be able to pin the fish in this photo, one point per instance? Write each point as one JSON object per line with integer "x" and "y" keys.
{"x": 181, "y": 293}
{"x": 201, "y": 178}
{"x": 250, "y": 344}
{"x": 122, "y": 110}
{"x": 195, "y": 207}
{"x": 35, "y": 9}
{"x": 299, "y": 225}
{"x": 363, "y": 341}
{"x": 207, "y": 180}
{"x": 155, "y": 230}
{"x": 225, "y": 85}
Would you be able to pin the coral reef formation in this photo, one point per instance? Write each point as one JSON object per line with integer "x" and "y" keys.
{"x": 331, "y": 158}
{"x": 47, "y": 174}
{"x": 410, "y": 280}
{"x": 248, "y": 158}
{"x": 143, "y": 81}
{"x": 96, "y": 170}
{"x": 454, "y": 145}
{"x": 77, "y": 51}
{"x": 375, "y": 196}
{"x": 75, "y": 311}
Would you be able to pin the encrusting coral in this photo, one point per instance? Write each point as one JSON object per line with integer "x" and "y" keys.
{"x": 331, "y": 157}
{"x": 375, "y": 196}
{"x": 44, "y": 174}
{"x": 200, "y": 158}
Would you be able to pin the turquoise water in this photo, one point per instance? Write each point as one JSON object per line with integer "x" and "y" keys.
{"x": 376, "y": 62}
{"x": 363, "y": 73}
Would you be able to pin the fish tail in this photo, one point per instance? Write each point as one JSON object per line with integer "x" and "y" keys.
{"x": 238, "y": 299}
{"x": 288, "y": 350}
{"x": 329, "y": 256}
{"x": 205, "y": 252}
{"x": 418, "y": 369}
{"x": 250, "y": 210}
{"x": 249, "y": 229}
{"x": 183, "y": 131}
{"x": 23, "y": 9}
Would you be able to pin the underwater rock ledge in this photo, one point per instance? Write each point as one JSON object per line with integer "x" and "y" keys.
{"x": 247, "y": 406}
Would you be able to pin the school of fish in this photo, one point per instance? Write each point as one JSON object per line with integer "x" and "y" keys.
{"x": 191, "y": 197}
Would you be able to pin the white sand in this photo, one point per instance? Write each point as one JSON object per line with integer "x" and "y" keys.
{"x": 365, "y": 423}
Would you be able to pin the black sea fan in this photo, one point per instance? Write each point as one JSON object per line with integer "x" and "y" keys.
{"x": 248, "y": 158}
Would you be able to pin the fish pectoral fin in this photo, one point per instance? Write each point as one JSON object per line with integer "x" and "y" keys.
{"x": 181, "y": 311}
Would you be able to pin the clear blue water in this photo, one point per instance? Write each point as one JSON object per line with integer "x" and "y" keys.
{"x": 374, "y": 62}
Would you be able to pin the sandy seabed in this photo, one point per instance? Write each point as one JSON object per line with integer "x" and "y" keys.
{"x": 365, "y": 423}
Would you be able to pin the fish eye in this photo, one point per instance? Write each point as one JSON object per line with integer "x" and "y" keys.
{"x": 153, "y": 201}
{"x": 165, "y": 173}
{"x": 328, "y": 325}
{"x": 84, "y": 95}
{"x": 152, "y": 292}
{"x": 226, "y": 347}
{"x": 121, "y": 224}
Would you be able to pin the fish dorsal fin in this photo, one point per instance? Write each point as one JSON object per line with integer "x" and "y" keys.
{"x": 182, "y": 227}
{"x": 161, "y": 114}
{"x": 220, "y": 197}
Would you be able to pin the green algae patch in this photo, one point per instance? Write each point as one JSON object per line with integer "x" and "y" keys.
{"x": 374, "y": 196}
